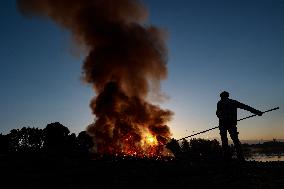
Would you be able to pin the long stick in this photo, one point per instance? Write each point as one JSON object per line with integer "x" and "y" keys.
{"x": 218, "y": 125}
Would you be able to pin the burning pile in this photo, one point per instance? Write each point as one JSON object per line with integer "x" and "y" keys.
{"x": 126, "y": 62}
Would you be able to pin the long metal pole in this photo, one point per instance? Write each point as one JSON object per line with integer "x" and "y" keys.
{"x": 218, "y": 125}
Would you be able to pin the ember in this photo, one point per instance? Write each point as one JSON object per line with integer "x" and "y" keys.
{"x": 125, "y": 63}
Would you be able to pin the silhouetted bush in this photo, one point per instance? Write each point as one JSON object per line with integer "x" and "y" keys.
{"x": 205, "y": 149}
{"x": 196, "y": 149}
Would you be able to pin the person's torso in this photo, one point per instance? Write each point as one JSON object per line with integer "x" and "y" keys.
{"x": 227, "y": 109}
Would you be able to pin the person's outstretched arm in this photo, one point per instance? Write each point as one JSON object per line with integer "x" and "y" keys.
{"x": 248, "y": 108}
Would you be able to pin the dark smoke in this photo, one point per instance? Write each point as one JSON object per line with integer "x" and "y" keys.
{"x": 126, "y": 62}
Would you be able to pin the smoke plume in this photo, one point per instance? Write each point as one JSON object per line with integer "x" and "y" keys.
{"x": 125, "y": 63}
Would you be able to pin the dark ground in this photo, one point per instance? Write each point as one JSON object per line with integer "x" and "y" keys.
{"x": 40, "y": 173}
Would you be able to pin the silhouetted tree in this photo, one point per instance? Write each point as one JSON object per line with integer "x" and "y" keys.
{"x": 185, "y": 146}
{"x": 4, "y": 144}
{"x": 71, "y": 144}
{"x": 54, "y": 139}
{"x": 35, "y": 139}
{"x": 175, "y": 148}
{"x": 14, "y": 140}
{"x": 56, "y": 136}
{"x": 85, "y": 142}
{"x": 25, "y": 140}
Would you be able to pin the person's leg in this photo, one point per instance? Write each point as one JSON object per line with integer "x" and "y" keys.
{"x": 234, "y": 136}
{"x": 224, "y": 139}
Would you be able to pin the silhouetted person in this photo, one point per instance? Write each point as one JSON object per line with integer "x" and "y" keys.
{"x": 227, "y": 114}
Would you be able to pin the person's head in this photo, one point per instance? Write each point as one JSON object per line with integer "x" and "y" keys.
{"x": 224, "y": 95}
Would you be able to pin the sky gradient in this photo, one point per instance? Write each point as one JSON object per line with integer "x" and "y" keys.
{"x": 213, "y": 46}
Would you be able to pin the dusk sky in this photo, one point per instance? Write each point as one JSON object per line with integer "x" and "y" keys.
{"x": 214, "y": 45}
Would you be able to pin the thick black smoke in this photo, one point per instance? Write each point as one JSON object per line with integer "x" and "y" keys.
{"x": 126, "y": 62}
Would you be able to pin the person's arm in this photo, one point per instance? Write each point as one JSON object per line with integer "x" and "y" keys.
{"x": 218, "y": 110}
{"x": 248, "y": 108}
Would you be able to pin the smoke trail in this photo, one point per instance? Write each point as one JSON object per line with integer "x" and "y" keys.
{"x": 125, "y": 63}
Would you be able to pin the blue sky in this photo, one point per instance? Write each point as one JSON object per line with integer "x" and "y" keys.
{"x": 213, "y": 45}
